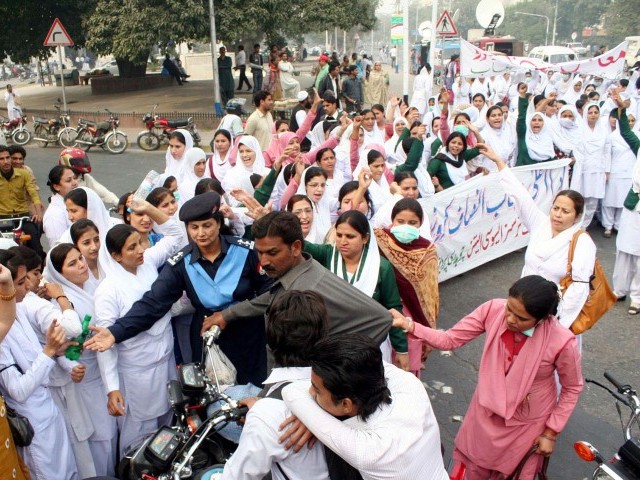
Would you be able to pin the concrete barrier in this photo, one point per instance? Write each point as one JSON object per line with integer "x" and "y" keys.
{"x": 113, "y": 84}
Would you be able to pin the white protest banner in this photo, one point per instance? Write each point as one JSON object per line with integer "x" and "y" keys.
{"x": 475, "y": 62}
{"x": 475, "y": 222}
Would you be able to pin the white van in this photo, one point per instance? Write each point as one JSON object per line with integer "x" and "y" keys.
{"x": 554, "y": 54}
{"x": 633, "y": 53}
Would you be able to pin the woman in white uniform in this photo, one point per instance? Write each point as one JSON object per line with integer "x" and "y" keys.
{"x": 67, "y": 267}
{"x": 66, "y": 374}
{"x": 25, "y": 367}
{"x": 500, "y": 137}
{"x": 626, "y": 273}
{"x": 55, "y": 220}
{"x": 135, "y": 372}
{"x": 180, "y": 142}
{"x": 550, "y": 237}
{"x": 619, "y": 162}
{"x": 589, "y": 170}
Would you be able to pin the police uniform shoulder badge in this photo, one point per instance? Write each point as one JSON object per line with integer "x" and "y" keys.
{"x": 243, "y": 243}
{"x": 177, "y": 258}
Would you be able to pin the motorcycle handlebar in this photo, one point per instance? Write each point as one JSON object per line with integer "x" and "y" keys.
{"x": 614, "y": 382}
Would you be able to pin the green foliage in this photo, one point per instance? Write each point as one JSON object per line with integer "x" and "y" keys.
{"x": 621, "y": 19}
{"x": 27, "y": 23}
{"x": 238, "y": 19}
{"x": 129, "y": 29}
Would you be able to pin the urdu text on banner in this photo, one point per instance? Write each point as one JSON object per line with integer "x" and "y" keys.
{"x": 475, "y": 222}
{"x": 475, "y": 62}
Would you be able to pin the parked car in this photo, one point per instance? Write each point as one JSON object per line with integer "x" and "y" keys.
{"x": 111, "y": 67}
{"x": 554, "y": 54}
{"x": 578, "y": 48}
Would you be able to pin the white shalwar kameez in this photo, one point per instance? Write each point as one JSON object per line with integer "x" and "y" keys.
{"x": 619, "y": 162}
{"x": 141, "y": 366}
{"x": 91, "y": 390}
{"x": 49, "y": 457}
{"x": 547, "y": 255}
{"x": 589, "y": 170}
{"x": 64, "y": 391}
{"x": 626, "y": 273}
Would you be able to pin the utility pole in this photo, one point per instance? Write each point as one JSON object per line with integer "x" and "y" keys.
{"x": 555, "y": 22}
{"x": 405, "y": 50}
{"x": 214, "y": 60}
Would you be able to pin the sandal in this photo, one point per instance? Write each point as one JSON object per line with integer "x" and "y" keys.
{"x": 634, "y": 309}
{"x": 607, "y": 233}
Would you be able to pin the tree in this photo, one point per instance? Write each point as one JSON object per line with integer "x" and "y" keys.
{"x": 238, "y": 19}
{"x": 27, "y": 23}
{"x": 621, "y": 19}
{"x": 129, "y": 29}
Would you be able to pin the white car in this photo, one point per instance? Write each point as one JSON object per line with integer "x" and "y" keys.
{"x": 578, "y": 48}
{"x": 111, "y": 67}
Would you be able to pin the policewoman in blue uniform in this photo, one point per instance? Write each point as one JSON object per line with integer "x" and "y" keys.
{"x": 216, "y": 271}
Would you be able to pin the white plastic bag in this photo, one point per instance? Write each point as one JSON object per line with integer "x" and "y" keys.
{"x": 218, "y": 362}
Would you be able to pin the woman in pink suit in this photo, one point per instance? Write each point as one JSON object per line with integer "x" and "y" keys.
{"x": 516, "y": 403}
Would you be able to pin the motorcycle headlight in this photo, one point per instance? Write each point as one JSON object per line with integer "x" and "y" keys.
{"x": 67, "y": 118}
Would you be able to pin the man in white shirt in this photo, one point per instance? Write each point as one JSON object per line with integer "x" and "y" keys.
{"x": 297, "y": 321}
{"x": 13, "y": 99}
{"x": 390, "y": 431}
{"x": 241, "y": 64}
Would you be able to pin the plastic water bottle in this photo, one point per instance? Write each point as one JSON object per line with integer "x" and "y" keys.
{"x": 147, "y": 185}
{"x": 74, "y": 351}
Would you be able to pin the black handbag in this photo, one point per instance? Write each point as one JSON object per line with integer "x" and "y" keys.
{"x": 541, "y": 475}
{"x": 20, "y": 426}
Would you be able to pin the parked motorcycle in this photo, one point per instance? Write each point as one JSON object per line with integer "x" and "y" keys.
{"x": 192, "y": 448}
{"x": 11, "y": 229}
{"x": 104, "y": 134}
{"x": 54, "y": 130}
{"x": 625, "y": 464}
{"x": 159, "y": 129}
{"x": 16, "y": 129}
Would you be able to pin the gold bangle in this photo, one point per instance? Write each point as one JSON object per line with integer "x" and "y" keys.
{"x": 8, "y": 298}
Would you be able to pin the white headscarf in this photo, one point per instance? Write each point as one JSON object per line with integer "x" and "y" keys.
{"x": 376, "y": 135}
{"x": 366, "y": 275}
{"x": 189, "y": 178}
{"x": 539, "y": 145}
{"x": 81, "y": 298}
{"x": 568, "y": 134}
{"x": 571, "y": 96}
{"x": 321, "y": 211}
{"x": 379, "y": 190}
{"x": 240, "y": 175}
{"x": 221, "y": 166}
{"x": 97, "y": 213}
{"x": 390, "y": 145}
{"x": 175, "y": 167}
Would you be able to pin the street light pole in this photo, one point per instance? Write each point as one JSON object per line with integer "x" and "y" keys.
{"x": 555, "y": 22}
{"x": 546, "y": 35}
{"x": 214, "y": 61}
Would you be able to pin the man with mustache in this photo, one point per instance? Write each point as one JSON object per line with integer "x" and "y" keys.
{"x": 278, "y": 243}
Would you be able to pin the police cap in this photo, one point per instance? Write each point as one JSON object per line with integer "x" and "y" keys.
{"x": 200, "y": 207}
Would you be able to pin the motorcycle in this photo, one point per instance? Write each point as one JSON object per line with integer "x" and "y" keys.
{"x": 54, "y": 130}
{"x": 11, "y": 229}
{"x": 625, "y": 464}
{"x": 104, "y": 134}
{"x": 193, "y": 447}
{"x": 159, "y": 129}
{"x": 16, "y": 129}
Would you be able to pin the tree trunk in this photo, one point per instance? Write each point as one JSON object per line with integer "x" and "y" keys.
{"x": 127, "y": 68}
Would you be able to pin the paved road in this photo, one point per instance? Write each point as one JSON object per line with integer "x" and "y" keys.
{"x": 611, "y": 345}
